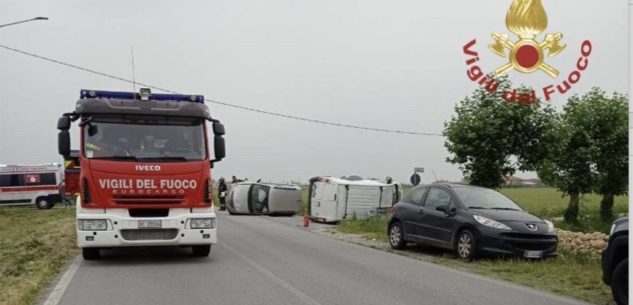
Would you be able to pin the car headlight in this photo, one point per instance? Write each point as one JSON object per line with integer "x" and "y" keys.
{"x": 550, "y": 226}
{"x": 612, "y": 229}
{"x": 202, "y": 223}
{"x": 92, "y": 224}
{"x": 491, "y": 223}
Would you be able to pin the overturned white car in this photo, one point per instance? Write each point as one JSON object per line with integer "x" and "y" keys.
{"x": 263, "y": 198}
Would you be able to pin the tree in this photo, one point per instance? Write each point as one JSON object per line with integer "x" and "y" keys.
{"x": 591, "y": 154}
{"x": 569, "y": 168}
{"x": 491, "y": 138}
{"x": 608, "y": 126}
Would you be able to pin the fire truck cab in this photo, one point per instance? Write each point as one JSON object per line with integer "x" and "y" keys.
{"x": 145, "y": 177}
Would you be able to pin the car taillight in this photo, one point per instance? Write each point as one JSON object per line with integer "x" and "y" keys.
{"x": 208, "y": 191}
{"x": 394, "y": 208}
{"x": 86, "y": 195}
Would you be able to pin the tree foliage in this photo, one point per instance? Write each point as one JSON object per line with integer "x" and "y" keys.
{"x": 592, "y": 154}
{"x": 490, "y": 138}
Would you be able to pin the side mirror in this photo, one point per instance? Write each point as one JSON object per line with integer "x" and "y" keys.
{"x": 63, "y": 143}
{"x": 219, "y": 148}
{"x": 63, "y": 123}
{"x": 218, "y": 129}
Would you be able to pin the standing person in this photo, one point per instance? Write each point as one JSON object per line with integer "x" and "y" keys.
{"x": 234, "y": 181}
{"x": 222, "y": 189}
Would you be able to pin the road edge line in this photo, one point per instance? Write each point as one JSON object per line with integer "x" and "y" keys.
{"x": 56, "y": 293}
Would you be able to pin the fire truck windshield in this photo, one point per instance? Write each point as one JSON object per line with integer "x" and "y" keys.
{"x": 144, "y": 138}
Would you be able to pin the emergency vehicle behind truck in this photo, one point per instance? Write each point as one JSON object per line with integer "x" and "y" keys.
{"x": 145, "y": 176}
{"x": 31, "y": 184}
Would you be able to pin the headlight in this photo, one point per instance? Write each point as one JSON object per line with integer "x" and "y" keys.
{"x": 491, "y": 223}
{"x": 550, "y": 226}
{"x": 92, "y": 224}
{"x": 203, "y": 223}
{"x": 612, "y": 229}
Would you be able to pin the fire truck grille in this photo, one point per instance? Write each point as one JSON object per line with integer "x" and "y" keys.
{"x": 148, "y": 199}
{"x": 149, "y": 234}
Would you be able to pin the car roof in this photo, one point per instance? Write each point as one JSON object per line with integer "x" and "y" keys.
{"x": 449, "y": 185}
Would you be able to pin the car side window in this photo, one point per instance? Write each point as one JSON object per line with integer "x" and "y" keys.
{"x": 451, "y": 204}
{"x": 415, "y": 196}
{"x": 437, "y": 197}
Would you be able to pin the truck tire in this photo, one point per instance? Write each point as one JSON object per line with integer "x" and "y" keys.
{"x": 90, "y": 253}
{"x": 43, "y": 203}
{"x": 201, "y": 251}
{"x": 620, "y": 283}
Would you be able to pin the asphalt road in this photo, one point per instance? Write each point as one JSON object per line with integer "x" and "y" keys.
{"x": 261, "y": 260}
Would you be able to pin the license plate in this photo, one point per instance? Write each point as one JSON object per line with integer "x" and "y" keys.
{"x": 150, "y": 224}
{"x": 533, "y": 254}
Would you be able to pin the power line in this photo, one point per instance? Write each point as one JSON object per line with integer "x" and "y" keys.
{"x": 220, "y": 103}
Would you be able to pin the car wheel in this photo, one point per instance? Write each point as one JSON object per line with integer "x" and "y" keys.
{"x": 466, "y": 247}
{"x": 396, "y": 236}
{"x": 201, "y": 251}
{"x": 620, "y": 283}
{"x": 43, "y": 203}
{"x": 90, "y": 253}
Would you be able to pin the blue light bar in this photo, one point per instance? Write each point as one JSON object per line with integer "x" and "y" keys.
{"x": 87, "y": 94}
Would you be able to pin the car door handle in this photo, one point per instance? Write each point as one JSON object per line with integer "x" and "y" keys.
{"x": 420, "y": 211}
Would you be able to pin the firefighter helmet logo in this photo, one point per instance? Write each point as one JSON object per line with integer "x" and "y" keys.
{"x": 527, "y": 19}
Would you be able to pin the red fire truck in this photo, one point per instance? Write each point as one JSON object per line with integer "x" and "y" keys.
{"x": 145, "y": 177}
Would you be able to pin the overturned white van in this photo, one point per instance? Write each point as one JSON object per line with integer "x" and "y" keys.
{"x": 333, "y": 199}
{"x": 263, "y": 198}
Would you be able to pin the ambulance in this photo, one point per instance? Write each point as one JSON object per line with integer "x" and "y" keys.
{"x": 31, "y": 184}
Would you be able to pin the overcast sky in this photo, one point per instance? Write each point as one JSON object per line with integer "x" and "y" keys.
{"x": 376, "y": 63}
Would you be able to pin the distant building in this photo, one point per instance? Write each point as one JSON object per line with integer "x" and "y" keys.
{"x": 514, "y": 180}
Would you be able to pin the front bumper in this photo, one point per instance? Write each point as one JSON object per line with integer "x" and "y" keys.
{"x": 123, "y": 230}
{"x": 497, "y": 242}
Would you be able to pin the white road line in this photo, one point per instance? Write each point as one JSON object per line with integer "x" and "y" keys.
{"x": 273, "y": 277}
{"x": 56, "y": 294}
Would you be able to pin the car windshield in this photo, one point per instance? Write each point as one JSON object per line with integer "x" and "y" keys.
{"x": 481, "y": 198}
{"x": 145, "y": 138}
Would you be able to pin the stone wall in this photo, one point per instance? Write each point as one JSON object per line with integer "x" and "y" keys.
{"x": 588, "y": 243}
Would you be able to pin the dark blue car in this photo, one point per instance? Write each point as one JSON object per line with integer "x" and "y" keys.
{"x": 471, "y": 221}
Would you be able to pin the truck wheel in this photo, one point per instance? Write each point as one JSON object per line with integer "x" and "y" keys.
{"x": 90, "y": 253}
{"x": 43, "y": 203}
{"x": 620, "y": 283}
{"x": 201, "y": 251}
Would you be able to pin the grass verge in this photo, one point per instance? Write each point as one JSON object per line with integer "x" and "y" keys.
{"x": 569, "y": 274}
{"x": 34, "y": 246}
